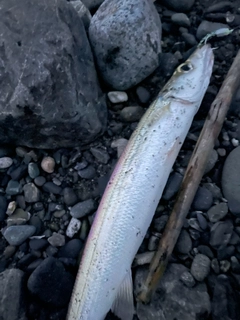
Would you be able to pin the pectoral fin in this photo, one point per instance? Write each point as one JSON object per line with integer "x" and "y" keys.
{"x": 123, "y": 306}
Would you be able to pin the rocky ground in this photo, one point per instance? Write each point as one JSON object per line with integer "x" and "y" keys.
{"x": 48, "y": 198}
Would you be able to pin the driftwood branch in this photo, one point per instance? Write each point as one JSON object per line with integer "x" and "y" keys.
{"x": 191, "y": 180}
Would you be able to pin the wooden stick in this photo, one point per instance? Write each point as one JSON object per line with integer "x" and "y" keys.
{"x": 191, "y": 180}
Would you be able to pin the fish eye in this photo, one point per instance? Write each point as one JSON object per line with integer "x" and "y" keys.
{"x": 185, "y": 67}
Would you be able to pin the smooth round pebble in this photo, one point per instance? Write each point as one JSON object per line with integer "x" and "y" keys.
{"x": 225, "y": 265}
{"x": 184, "y": 243}
{"x": 217, "y": 212}
{"x": 100, "y": 154}
{"x": 187, "y": 279}
{"x": 13, "y": 188}
{"x": 131, "y": 114}
{"x": 172, "y": 186}
{"x": 83, "y": 208}
{"x": 181, "y": 19}
{"x": 16, "y": 235}
{"x": 56, "y": 240}
{"x": 117, "y": 96}
{"x": 31, "y": 192}
{"x": 87, "y": 173}
{"x": 5, "y": 162}
{"x": 203, "y": 199}
{"x": 143, "y": 94}
{"x": 221, "y": 233}
{"x": 200, "y": 267}
{"x": 206, "y": 27}
{"x": 33, "y": 170}
{"x": 71, "y": 249}
{"x": 52, "y": 188}
{"x": 69, "y": 196}
{"x": 39, "y": 181}
{"x": 48, "y": 164}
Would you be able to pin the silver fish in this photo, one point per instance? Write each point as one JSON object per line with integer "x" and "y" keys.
{"x": 127, "y": 207}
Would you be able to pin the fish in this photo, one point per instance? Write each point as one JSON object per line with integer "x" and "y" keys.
{"x": 125, "y": 212}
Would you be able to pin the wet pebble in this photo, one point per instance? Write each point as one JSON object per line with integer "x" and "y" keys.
{"x": 33, "y": 170}
{"x": 100, "y": 154}
{"x": 172, "y": 186}
{"x": 81, "y": 209}
{"x": 52, "y": 188}
{"x": 200, "y": 267}
{"x": 48, "y": 164}
{"x": 184, "y": 243}
{"x": 203, "y": 199}
{"x": 131, "y": 114}
{"x": 39, "y": 181}
{"x": 202, "y": 221}
{"x": 71, "y": 249}
{"x": 143, "y": 258}
{"x": 3, "y": 207}
{"x": 143, "y": 94}
{"x": 50, "y": 283}
{"x": 18, "y": 217}
{"x": 13, "y": 188}
{"x": 87, "y": 173}
{"x": 57, "y": 240}
{"x": 5, "y": 162}
{"x": 181, "y": 19}
{"x": 217, "y": 212}
{"x": 213, "y": 158}
{"x": 206, "y": 251}
{"x": 221, "y": 233}
{"x": 187, "y": 279}
{"x": 73, "y": 227}
{"x": 11, "y": 207}
{"x": 19, "y": 172}
{"x": 117, "y": 96}
{"x": 31, "y": 192}
{"x": 189, "y": 39}
{"x": 38, "y": 244}
{"x": 69, "y": 196}
{"x": 224, "y": 265}
{"x": 16, "y": 235}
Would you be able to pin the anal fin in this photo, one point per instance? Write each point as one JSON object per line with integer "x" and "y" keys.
{"x": 123, "y": 306}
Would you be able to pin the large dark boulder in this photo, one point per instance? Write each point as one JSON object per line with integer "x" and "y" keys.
{"x": 49, "y": 94}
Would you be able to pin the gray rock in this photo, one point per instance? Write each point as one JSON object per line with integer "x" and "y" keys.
{"x": 172, "y": 186}
{"x": 206, "y": 251}
{"x": 130, "y": 51}
{"x": 12, "y": 295}
{"x": 52, "y": 188}
{"x": 71, "y": 249}
{"x": 51, "y": 283}
{"x": 5, "y": 162}
{"x": 179, "y": 6}
{"x": 57, "y": 240}
{"x": 225, "y": 266}
{"x": 13, "y": 188}
{"x": 31, "y": 192}
{"x": 100, "y": 154}
{"x": 69, "y": 196}
{"x": 131, "y": 114}
{"x": 39, "y": 181}
{"x": 230, "y": 181}
{"x": 213, "y": 158}
{"x": 221, "y": 233}
{"x": 33, "y": 170}
{"x": 3, "y": 207}
{"x": 189, "y": 39}
{"x": 18, "y": 217}
{"x": 51, "y": 91}
{"x": 81, "y": 209}
{"x": 214, "y": 189}
{"x": 16, "y": 235}
{"x": 87, "y": 173}
{"x": 203, "y": 199}
{"x": 187, "y": 279}
{"x": 19, "y": 172}
{"x": 160, "y": 222}
{"x": 206, "y": 27}
{"x": 200, "y": 267}
{"x": 117, "y": 96}
{"x": 181, "y": 19}
{"x": 143, "y": 94}
{"x": 217, "y": 212}
{"x": 202, "y": 221}
{"x": 172, "y": 299}
{"x": 83, "y": 12}
{"x": 184, "y": 243}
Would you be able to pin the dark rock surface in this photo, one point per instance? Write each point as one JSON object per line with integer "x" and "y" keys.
{"x": 50, "y": 96}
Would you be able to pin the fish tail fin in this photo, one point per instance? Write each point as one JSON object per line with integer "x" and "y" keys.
{"x": 123, "y": 306}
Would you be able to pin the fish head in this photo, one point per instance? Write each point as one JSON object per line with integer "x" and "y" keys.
{"x": 191, "y": 79}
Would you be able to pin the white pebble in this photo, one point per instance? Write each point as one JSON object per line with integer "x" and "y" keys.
{"x": 235, "y": 142}
{"x": 221, "y": 152}
{"x": 11, "y": 208}
{"x": 5, "y": 162}
{"x": 117, "y": 96}
{"x": 48, "y": 164}
{"x": 73, "y": 227}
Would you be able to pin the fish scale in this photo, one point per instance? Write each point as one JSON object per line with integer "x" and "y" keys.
{"x": 133, "y": 192}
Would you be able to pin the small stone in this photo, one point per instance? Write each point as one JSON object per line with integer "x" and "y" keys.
{"x": 69, "y": 196}
{"x": 59, "y": 214}
{"x": 20, "y": 201}
{"x": 120, "y": 144}
{"x": 39, "y": 181}
{"x": 187, "y": 279}
{"x": 143, "y": 95}
{"x": 131, "y": 114}
{"x": 71, "y": 249}
{"x": 81, "y": 209}
{"x": 57, "y": 240}
{"x": 202, "y": 221}
{"x": 224, "y": 253}
{"x": 52, "y": 188}
{"x": 225, "y": 265}
{"x": 16, "y": 235}
{"x": 117, "y": 96}
{"x": 87, "y": 173}
{"x": 73, "y": 227}
{"x": 48, "y": 164}
{"x": 200, "y": 267}
{"x": 235, "y": 142}
{"x": 184, "y": 243}
{"x": 193, "y": 223}
{"x": 33, "y": 170}
{"x": 100, "y": 154}
{"x": 84, "y": 231}
{"x": 181, "y": 19}
{"x": 11, "y": 208}
{"x": 38, "y": 244}
{"x": 18, "y": 217}
{"x": 172, "y": 186}
{"x": 159, "y": 223}
{"x": 9, "y": 252}
{"x": 189, "y": 39}
{"x": 222, "y": 152}
{"x": 3, "y": 207}
{"x": 203, "y": 199}
{"x": 31, "y": 193}
{"x": 5, "y": 162}
{"x": 143, "y": 258}
{"x": 206, "y": 251}
{"x": 213, "y": 158}
{"x": 19, "y": 172}
{"x": 221, "y": 233}
{"x": 13, "y": 188}
{"x": 215, "y": 266}
{"x": 217, "y": 212}
{"x": 153, "y": 242}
